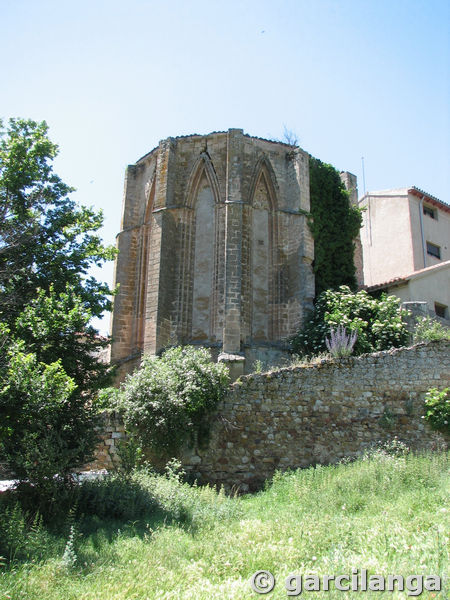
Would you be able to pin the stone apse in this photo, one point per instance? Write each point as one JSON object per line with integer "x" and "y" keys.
{"x": 214, "y": 250}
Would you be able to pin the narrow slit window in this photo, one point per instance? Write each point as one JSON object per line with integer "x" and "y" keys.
{"x": 433, "y": 250}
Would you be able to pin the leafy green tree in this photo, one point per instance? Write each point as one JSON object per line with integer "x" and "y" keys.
{"x": 56, "y": 325}
{"x": 45, "y": 238}
{"x": 335, "y": 224}
{"x": 379, "y": 324}
{"x": 47, "y": 246}
{"x": 47, "y": 299}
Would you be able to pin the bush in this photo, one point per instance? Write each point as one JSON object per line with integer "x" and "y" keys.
{"x": 428, "y": 330}
{"x": 130, "y": 455}
{"x": 379, "y": 324}
{"x": 437, "y": 409}
{"x": 166, "y": 402}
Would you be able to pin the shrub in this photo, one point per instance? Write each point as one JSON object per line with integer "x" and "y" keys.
{"x": 428, "y": 330}
{"x": 130, "y": 455}
{"x": 379, "y": 324}
{"x": 437, "y": 409}
{"x": 166, "y": 402}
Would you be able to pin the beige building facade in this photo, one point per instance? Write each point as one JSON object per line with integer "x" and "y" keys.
{"x": 406, "y": 246}
{"x": 214, "y": 250}
{"x": 430, "y": 287}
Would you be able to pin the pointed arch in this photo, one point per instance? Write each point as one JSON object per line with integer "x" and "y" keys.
{"x": 199, "y": 271}
{"x": 263, "y": 251}
{"x": 264, "y": 170}
{"x": 202, "y": 166}
{"x": 150, "y": 200}
{"x": 143, "y": 264}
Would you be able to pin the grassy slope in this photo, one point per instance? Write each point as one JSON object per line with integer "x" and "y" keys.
{"x": 387, "y": 515}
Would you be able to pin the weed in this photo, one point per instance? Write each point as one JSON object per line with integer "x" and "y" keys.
{"x": 428, "y": 329}
{"x": 69, "y": 558}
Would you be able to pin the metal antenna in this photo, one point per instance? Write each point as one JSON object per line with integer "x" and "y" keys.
{"x": 364, "y": 175}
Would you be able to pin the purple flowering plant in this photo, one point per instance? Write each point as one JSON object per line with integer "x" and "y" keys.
{"x": 340, "y": 343}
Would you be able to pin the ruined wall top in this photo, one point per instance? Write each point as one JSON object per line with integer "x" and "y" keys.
{"x": 215, "y": 135}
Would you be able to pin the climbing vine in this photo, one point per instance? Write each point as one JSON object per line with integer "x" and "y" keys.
{"x": 334, "y": 225}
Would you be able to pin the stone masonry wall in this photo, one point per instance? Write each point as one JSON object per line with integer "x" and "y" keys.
{"x": 214, "y": 249}
{"x": 111, "y": 434}
{"x": 315, "y": 414}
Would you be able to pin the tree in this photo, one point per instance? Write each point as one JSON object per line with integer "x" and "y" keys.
{"x": 55, "y": 326}
{"x": 47, "y": 246}
{"x": 50, "y": 369}
{"x": 45, "y": 238}
{"x": 32, "y": 399}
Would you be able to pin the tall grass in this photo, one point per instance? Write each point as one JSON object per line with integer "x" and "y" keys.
{"x": 388, "y": 514}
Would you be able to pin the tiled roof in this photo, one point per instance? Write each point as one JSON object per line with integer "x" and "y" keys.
{"x": 429, "y": 198}
{"x": 400, "y": 280}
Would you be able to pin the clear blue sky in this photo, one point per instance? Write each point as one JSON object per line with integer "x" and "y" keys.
{"x": 352, "y": 78}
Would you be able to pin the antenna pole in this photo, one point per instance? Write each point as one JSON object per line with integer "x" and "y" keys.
{"x": 364, "y": 175}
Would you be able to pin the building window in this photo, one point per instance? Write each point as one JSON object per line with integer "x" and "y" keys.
{"x": 433, "y": 250}
{"x": 430, "y": 211}
{"x": 440, "y": 310}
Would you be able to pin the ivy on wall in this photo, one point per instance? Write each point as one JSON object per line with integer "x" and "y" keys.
{"x": 334, "y": 225}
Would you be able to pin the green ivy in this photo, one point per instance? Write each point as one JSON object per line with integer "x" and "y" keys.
{"x": 334, "y": 225}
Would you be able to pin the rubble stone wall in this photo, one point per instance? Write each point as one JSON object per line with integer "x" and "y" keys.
{"x": 315, "y": 414}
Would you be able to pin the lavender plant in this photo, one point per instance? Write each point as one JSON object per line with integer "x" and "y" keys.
{"x": 341, "y": 343}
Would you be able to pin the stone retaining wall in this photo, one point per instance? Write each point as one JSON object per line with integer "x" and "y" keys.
{"x": 111, "y": 434}
{"x": 315, "y": 414}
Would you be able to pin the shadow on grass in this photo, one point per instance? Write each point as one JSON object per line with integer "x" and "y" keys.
{"x": 101, "y": 512}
